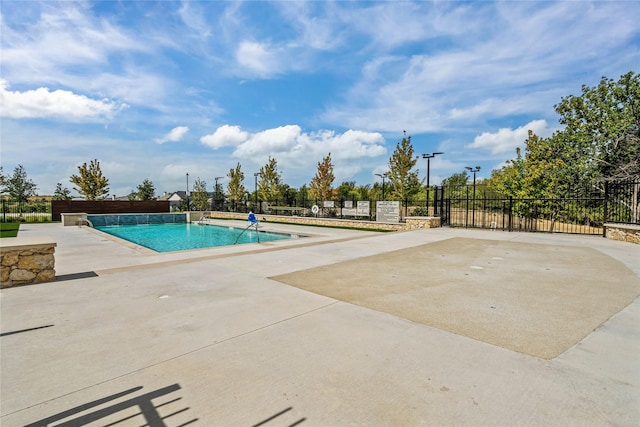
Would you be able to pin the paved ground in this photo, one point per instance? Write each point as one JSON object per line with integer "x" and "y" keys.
{"x": 210, "y": 338}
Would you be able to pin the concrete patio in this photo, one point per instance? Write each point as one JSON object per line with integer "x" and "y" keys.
{"x": 261, "y": 335}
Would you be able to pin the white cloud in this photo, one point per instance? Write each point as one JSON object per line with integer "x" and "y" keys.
{"x": 259, "y": 58}
{"x": 298, "y": 152}
{"x": 506, "y": 139}
{"x": 62, "y": 104}
{"x": 225, "y": 136}
{"x": 176, "y": 134}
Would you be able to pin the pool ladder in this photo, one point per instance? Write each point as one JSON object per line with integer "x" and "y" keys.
{"x": 249, "y": 226}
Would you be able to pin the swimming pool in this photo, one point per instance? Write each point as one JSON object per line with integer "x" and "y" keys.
{"x": 184, "y": 236}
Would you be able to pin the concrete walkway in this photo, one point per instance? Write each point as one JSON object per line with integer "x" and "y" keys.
{"x": 205, "y": 338}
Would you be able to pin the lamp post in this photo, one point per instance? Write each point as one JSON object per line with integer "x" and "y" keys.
{"x": 474, "y": 170}
{"x": 188, "y": 192}
{"x": 383, "y": 176}
{"x": 429, "y": 157}
{"x": 256, "y": 177}
{"x": 215, "y": 191}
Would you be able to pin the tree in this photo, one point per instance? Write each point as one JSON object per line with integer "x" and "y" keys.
{"x": 603, "y": 123}
{"x": 289, "y": 194}
{"x": 270, "y": 179}
{"x": 18, "y": 185}
{"x": 321, "y": 186}
{"x": 403, "y": 182}
{"x": 199, "y": 196}
{"x": 90, "y": 181}
{"x": 347, "y": 190}
{"x": 146, "y": 191}
{"x": 61, "y": 193}
{"x": 235, "y": 188}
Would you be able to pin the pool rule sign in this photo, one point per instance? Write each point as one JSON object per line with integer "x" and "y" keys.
{"x": 388, "y": 211}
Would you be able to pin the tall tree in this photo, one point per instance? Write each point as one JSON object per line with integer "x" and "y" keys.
{"x": 199, "y": 195}
{"x": 604, "y": 124}
{"x": 146, "y": 191}
{"x": 91, "y": 183}
{"x": 321, "y": 186}
{"x": 270, "y": 180}
{"x": 19, "y": 186}
{"x": 61, "y": 193}
{"x": 403, "y": 181}
{"x": 347, "y": 190}
{"x": 235, "y": 187}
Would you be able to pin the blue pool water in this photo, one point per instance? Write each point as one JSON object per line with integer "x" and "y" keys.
{"x": 184, "y": 236}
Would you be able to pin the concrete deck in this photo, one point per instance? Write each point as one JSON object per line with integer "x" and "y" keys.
{"x": 210, "y": 337}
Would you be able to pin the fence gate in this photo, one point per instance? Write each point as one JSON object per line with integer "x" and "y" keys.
{"x": 478, "y": 207}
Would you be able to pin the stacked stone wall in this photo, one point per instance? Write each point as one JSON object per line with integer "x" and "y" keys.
{"x": 23, "y": 264}
{"x": 624, "y": 233}
{"x": 412, "y": 223}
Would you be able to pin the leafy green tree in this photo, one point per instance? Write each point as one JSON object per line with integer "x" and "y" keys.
{"x": 288, "y": 194}
{"x": 3, "y": 180}
{"x": 321, "y": 186}
{"x": 18, "y": 185}
{"x": 90, "y": 182}
{"x": 235, "y": 188}
{"x": 348, "y": 190}
{"x": 61, "y": 193}
{"x": 303, "y": 196}
{"x": 270, "y": 181}
{"x": 199, "y": 195}
{"x": 146, "y": 191}
{"x": 602, "y": 125}
{"x": 364, "y": 192}
{"x": 403, "y": 181}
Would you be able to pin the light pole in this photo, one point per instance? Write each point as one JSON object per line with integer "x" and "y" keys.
{"x": 256, "y": 177}
{"x": 188, "y": 192}
{"x": 215, "y": 192}
{"x": 383, "y": 176}
{"x": 474, "y": 170}
{"x": 429, "y": 157}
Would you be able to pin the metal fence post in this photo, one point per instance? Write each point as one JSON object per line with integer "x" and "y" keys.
{"x": 605, "y": 215}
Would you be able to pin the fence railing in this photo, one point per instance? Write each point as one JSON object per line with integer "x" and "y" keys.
{"x": 25, "y": 211}
{"x": 587, "y": 214}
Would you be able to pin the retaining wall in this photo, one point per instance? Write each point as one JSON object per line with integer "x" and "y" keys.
{"x": 623, "y": 232}
{"x": 412, "y": 222}
{"x": 26, "y": 260}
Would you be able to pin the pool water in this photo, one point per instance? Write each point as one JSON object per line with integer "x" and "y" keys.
{"x": 185, "y": 236}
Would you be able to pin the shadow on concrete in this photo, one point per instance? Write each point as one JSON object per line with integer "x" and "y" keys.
{"x": 121, "y": 411}
{"x": 24, "y": 330}
{"x": 273, "y": 417}
{"x": 73, "y": 276}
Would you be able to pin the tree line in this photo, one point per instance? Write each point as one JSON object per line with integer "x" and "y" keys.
{"x": 599, "y": 141}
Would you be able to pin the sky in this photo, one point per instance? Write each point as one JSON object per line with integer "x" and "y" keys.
{"x": 158, "y": 90}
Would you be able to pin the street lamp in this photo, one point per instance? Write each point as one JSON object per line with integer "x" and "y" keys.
{"x": 383, "y": 176}
{"x": 188, "y": 192}
{"x": 256, "y": 176}
{"x": 474, "y": 170}
{"x": 215, "y": 191}
{"x": 429, "y": 157}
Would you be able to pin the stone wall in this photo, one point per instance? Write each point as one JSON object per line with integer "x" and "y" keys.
{"x": 623, "y": 232}
{"x": 26, "y": 260}
{"x": 412, "y": 222}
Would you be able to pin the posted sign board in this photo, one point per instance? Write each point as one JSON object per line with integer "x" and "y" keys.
{"x": 388, "y": 211}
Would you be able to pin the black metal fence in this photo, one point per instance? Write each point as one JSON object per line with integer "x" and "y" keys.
{"x": 583, "y": 214}
{"x": 25, "y": 211}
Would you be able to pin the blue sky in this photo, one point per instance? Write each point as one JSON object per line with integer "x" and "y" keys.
{"x": 156, "y": 90}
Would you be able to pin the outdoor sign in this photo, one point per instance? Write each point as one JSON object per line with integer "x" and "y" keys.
{"x": 348, "y": 204}
{"x": 388, "y": 211}
{"x": 328, "y": 204}
{"x": 362, "y": 208}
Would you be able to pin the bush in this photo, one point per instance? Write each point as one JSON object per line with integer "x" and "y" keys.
{"x": 420, "y": 211}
